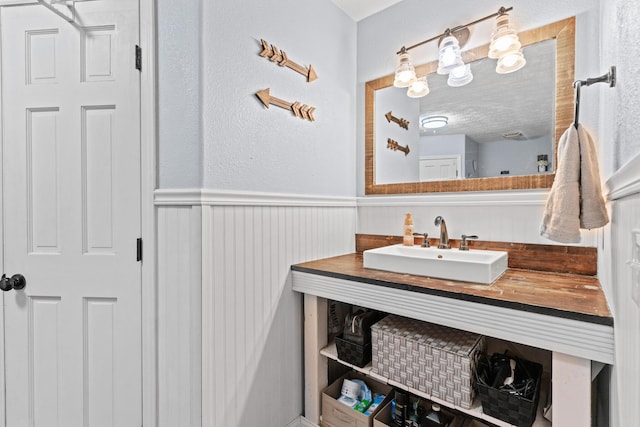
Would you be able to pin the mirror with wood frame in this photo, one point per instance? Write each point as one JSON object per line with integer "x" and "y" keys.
{"x": 563, "y": 33}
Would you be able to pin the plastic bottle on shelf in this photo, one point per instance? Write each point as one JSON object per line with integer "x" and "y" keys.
{"x": 416, "y": 415}
{"x": 407, "y": 238}
{"x": 436, "y": 418}
{"x": 401, "y": 408}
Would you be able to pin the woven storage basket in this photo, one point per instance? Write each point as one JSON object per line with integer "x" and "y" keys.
{"x": 512, "y": 408}
{"x": 433, "y": 359}
{"x": 354, "y": 353}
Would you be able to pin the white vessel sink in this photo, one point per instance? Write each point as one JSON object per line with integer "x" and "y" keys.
{"x": 475, "y": 265}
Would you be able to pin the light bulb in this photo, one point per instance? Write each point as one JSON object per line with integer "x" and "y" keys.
{"x": 405, "y": 72}
{"x": 419, "y": 88}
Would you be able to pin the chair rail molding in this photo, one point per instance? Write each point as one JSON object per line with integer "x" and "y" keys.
{"x": 625, "y": 181}
{"x": 207, "y": 197}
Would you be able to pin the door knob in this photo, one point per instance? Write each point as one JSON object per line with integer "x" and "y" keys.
{"x": 17, "y": 281}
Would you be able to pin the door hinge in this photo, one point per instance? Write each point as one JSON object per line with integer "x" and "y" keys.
{"x": 139, "y": 249}
{"x": 138, "y": 58}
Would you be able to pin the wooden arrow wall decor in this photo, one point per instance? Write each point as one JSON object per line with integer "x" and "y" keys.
{"x": 302, "y": 111}
{"x": 401, "y": 122}
{"x": 393, "y": 145}
{"x": 280, "y": 57}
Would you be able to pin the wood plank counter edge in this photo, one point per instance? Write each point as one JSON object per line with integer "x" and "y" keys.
{"x": 568, "y": 296}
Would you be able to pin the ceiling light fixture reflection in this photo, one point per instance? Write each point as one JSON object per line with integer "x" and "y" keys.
{"x": 433, "y": 122}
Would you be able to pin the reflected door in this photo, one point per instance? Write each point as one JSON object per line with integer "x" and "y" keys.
{"x": 71, "y": 195}
{"x": 438, "y": 168}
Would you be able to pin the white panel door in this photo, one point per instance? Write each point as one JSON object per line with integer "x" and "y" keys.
{"x": 438, "y": 168}
{"x": 71, "y": 196}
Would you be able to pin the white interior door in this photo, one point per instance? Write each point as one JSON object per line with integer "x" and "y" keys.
{"x": 71, "y": 217}
{"x": 438, "y": 168}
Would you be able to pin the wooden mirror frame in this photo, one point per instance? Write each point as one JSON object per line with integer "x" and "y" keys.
{"x": 564, "y": 33}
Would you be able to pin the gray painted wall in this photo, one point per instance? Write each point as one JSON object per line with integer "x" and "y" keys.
{"x": 620, "y": 142}
{"x": 620, "y": 107}
{"x": 214, "y": 132}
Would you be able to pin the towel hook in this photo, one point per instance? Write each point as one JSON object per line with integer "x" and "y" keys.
{"x": 609, "y": 78}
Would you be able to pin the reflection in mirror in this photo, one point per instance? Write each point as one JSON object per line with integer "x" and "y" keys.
{"x": 501, "y": 129}
{"x": 496, "y": 125}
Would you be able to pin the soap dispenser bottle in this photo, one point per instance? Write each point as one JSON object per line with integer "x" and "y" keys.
{"x": 407, "y": 236}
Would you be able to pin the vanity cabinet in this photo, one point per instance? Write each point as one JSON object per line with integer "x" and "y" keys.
{"x": 580, "y": 339}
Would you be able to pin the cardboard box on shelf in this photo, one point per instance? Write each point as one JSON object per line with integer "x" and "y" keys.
{"x": 336, "y": 414}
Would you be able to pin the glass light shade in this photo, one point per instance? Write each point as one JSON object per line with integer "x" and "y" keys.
{"x": 460, "y": 76}
{"x": 433, "y": 122}
{"x": 419, "y": 88}
{"x": 405, "y": 72}
{"x": 510, "y": 63}
{"x": 504, "y": 40}
{"x": 450, "y": 56}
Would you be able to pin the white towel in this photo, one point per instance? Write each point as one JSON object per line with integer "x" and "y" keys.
{"x": 575, "y": 200}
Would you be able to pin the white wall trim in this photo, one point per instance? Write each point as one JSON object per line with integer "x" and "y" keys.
{"x": 301, "y": 422}
{"x": 625, "y": 182}
{"x": 485, "y": 198}
{"x": 206, "y": 197}
{"x": 148, "y": 183}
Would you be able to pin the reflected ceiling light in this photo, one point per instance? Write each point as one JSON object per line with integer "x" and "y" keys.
{"x": 450, "y": 56}
{"x": 419, "y": 88}
{"x": 504, "y": 40}
{"x": 405, "y": 72}
{"x": 433, "y": 122}
{"x": 460, "y": 76}
{"x": 505, "y": 46}
{"x": 510, "y": 63}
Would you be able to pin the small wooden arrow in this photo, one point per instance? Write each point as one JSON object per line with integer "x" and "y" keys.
{"x": 280, "y": 57}
{"x": 302, "y": 111}
{"x": 393, "y": 145}
{"x": 401, "y": 122}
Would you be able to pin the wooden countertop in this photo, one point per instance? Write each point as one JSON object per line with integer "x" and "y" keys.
{"x": 569, "y": 296}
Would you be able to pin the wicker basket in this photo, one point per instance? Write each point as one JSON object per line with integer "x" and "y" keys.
{"x": 512, "y": 408}
{"x": 353, "y": 353}
{"x": 433, "y": 359}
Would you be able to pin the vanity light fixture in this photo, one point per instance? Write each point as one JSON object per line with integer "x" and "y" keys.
{"x": 450, "y": 56}
{"x": 505, "y": 47}
{"x": 419, "y": 88}
{"x": 433, "y": 122}
{"x": 460, "y": 76}
{"x": 504, "y": 40}
{"x": 406, "y": 72}
{"x": 510, "y": 62}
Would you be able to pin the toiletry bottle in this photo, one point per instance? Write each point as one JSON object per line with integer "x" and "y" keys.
{"x": 435, "y": 418}
{"x": 407, "y": 239}
{"x": 400, "y": 410}
{"x": 416, "y": 415}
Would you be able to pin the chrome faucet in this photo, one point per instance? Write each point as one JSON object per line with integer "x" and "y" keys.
{"x": 425, "y": 239}
{"x": 444, "y": 236}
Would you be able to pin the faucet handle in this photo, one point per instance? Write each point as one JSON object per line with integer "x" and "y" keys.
{"x": 425, "y": 239}
{"x": 464, "y": 245}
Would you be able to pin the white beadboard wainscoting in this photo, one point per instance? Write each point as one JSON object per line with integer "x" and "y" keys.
{"x": 498, "y": 216}
{"x": 229, "y": 325}
{"x": 623, "y": 290}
